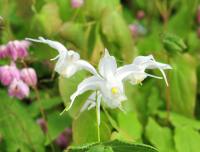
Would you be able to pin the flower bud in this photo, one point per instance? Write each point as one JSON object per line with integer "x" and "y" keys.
{"x": 134, "y": 30}
{"x": 137, "y": 30}
{"x": 64, "y": 138}
{"x": 17, "y": 49}
{"x": 29, "y": 76}
{"x": 18, "y": 89}
{"x": 172, "y": 43}
{"x": 3, "y": 52}
{"x": 198, "y": 32}
{"x": 198, "y": 15}
{"x": 77, "y": 3}
{"x": 43, "y": 124}
{"x": 140, "y": 14}
{"x": 8, "y": 74}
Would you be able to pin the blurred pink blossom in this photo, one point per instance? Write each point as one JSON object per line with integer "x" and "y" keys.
{"x": 137, "y": 29}
{"x": 64, "y": 138}
{"x": 43, "y": 124}
{"x": 134, "y": 30}
{"x": 140, "y": 14}
{"x": 29, "y": 76}
{"x": 17, "y": 49}
{"x": 3, "y": 52}
{"x": 8, "y": 73}
{"x": 198, "y": 15}
{"x": 18, "y": 89}
{"x": 77, "y": 3}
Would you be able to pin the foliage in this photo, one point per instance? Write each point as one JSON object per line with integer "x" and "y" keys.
{"x": 167, "y": 118}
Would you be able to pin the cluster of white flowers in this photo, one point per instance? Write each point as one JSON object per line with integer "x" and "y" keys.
{"x": 108, "y": 82}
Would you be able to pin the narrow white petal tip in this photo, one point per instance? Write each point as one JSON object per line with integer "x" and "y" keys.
{"x": 62, "y": 112}
{"x": 41, "y": 38}
{"x": 170, "y": 67}
{"x": 106, "y": 52}
{"x": 66, "y": 109}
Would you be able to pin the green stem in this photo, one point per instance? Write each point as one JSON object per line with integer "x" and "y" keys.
{"x": 98, "y": 126}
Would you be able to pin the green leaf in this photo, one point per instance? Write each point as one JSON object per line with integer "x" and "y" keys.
{"x": 49, "y": 18}
{"x": 116, "y": 35}
{"x": 180, "y": 121}
{"x": 18, "y": 130}
{"x": 160, "y": 137}
{"x": 95, "y": 8}
{"x": 184, "y": 13}
{"x": 129, "y": 126}
{"x": 187, "y": 139}
{"x": 56, "y": 125}
{"x": 73, "y": 32}
{"x": 67, "y": 86}
{"x": 183, "y": 84}
{"x": 85, "y": 128}
{"x": 113, "y": 146}
{"x": 45, "y": 103}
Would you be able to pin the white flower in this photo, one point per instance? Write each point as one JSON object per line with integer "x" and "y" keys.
{"x": 107, "y": 85}
{"x": 140, "y": 64}
{"x": 69, "y": 62}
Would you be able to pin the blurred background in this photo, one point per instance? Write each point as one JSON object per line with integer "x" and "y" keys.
{"x": 167, "y": 118}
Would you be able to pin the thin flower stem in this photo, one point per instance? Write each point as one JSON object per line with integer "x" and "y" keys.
{"x": 42, "y": 111}
{"x": 98, "y": 125}
{"x": 168, "y": 98}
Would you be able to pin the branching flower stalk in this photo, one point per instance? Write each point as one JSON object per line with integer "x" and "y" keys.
{"x": 107, "y": 83}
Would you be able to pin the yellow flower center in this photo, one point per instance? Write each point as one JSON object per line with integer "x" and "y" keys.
{"x": 114, "y": 90}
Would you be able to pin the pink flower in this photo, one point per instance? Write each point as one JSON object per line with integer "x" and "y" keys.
{"x": 198, "y": 15}
{"x": 137, "y": 30}
{"x": 140, "y": 14}
{"x": 8, "y": 74}
{"x": 134, "y": 30}
{"x": 29, "y": 76}
{"x": 43, "y": 124}
{"x": 3, "y": 52}
{"x": 17, "y": 49}
{"x": 64, "y": 138}
{"x": 18, "y": 89}
{"x": 77, "y": 3}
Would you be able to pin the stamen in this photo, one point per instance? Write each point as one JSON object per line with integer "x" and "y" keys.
{"x": 114, "y": 90}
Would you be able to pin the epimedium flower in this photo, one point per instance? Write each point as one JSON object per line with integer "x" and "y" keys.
{"x": 43, "y": 124}
{"x": 29, "y": 76}
{"x": 18, "y": 89}
{"x": 8, "y": 73}
{"x": 77, "y": 3}
{"x": 141, "y": 63}
{"x": 17, "y": 49}
{"x": 68, "y": 61}
{"x": 3, "y": 52}
{"x": 107, "y": 86}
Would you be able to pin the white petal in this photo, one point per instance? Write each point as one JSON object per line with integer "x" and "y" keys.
{"x": 140, "y": 60}
{"x": 92, "y": 105}
{"x": 125, "y": 71}
{"x": 154, "y": 65}
{"x": 73, "y": 56}
{"x": 148, "y": 62}
{"x": 54, "y": 44}
{"x": 86, "y": 66}
{"x": 107, "y": 65}
{"x": 153, "y": 76}
{"x": 162, "y": 71}
{"x": 89, "y": 102}
{"x": 91, "y": 83}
